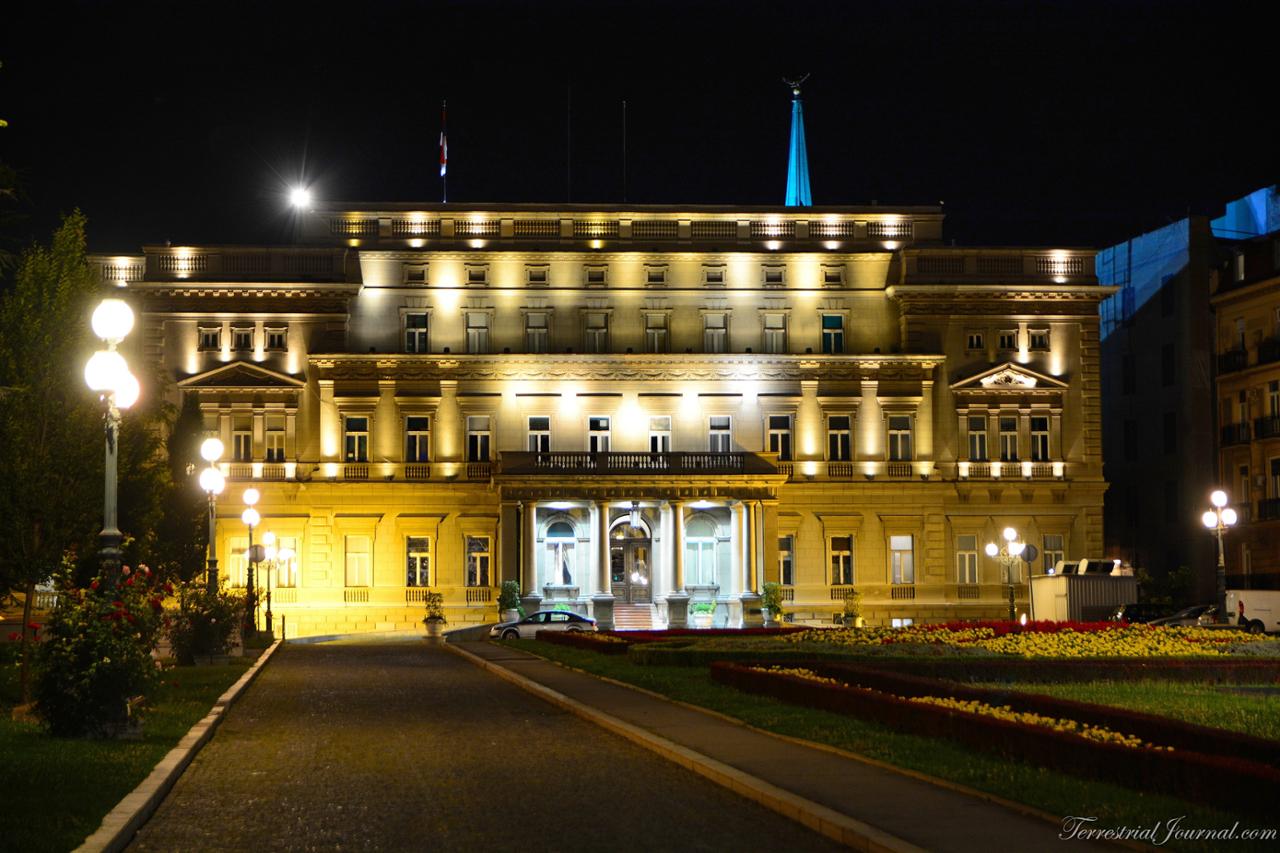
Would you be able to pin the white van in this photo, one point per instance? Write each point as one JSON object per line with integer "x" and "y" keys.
{"x": 1255, "y": 609}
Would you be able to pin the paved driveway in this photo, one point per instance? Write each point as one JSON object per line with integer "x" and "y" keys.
{"x": 404, "y": 746}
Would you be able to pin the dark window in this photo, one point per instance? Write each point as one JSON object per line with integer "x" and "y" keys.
{"x": 1127, "y": 374}
{"x": 1168, "y": 365}
{"x": 1168, "y": 296}
{"x": 1130, "y": 441}
{"x": 1170, "y": 432}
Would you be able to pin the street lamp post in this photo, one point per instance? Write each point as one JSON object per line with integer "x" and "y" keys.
{"x": 212, "y": 481}
{"x": 108, "y": 373}
{"x": 251, "y": 518}
{"x": 272, "y": 554}
{"x": 1218, "y": 520}
{"x": 1009, "y": 554}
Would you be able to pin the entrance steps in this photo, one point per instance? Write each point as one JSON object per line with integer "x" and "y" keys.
{"x": 632, "y": 617}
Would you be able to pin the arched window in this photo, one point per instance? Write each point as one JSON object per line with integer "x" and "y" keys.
{"x": 560, "y": 541}
{"x": 700, "y": 551}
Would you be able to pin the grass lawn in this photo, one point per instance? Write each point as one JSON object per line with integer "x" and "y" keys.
{"x": 1241, "y": 708}
{"x": 57, "y": 790}
{"x": 1055, "y": 793}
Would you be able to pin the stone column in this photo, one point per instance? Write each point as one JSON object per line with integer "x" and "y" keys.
{"x": 259, "y": 435}
{"x": 924, "y": 426}
{"x": 735, "y": 549}
{"x": 602, "y": 601}
{"x": 330, "y": 425}
{"x": 750, "y": 595}
{"x": 531, "y": 597}
{"x": 677, "y": 599}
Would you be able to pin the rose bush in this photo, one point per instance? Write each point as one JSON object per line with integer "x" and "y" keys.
{"x": 201, "y": 623}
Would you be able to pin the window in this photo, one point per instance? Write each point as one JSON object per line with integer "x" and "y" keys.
{"x": 242, "y": 446}
{"x": 560, "y": 543}
{"x": 210, "y": 338}
{"x": 1039, "y": 339}
{"x": 596, "y": 332}
{"x": 715, "y": 332}
{"x": 415, "y": 274}
{"x": 535, "y": 331}
{"x": 779, "y": 436}
{"x": 1275, "y": 477}
{"x": 241, "y": 338}
{"x": 655, "y": 276}
{"x": 597, "y": 276}
{"x": 286, "y": 573}
{"x": 975, "y": 341}
{"x": 787, "y": 560}
{"x": 1240, "y": 333}
{"x": 900, "y": 438}
{"x": 832, "y": 276}
{"x": 1170, "y": 432}
{"x": 238, "y": 561}
{"x": 1128, "y": 374}
{"x": 1130, "y": 440}
{"x": 841, "y": 548}
{"x": 1040, "y": 438}
{"x": 977, "y": 438}
{"x": 901, "y": 622}
{"x": 418, "y": 561}
{"x": 1008, "y": 439}
{"x": 540, "y": 434}
{"x": 967, "y": 558}
{"x": 902, "y": 559}
{"x": 832, "y": 334}
{"x": 655, "y": 332}
{"x": 1053, "y": 550}
{"x": 1007, "y": 339}
{"x": 477, "y": 332}
{"x": 700, "y": 551}
{"x": 774, "y": 276}
{"x": 660, "y": 434}
{"x": 355, "y": 439}
{"x": 477, "y": 275}
{"x": 537, "y": 276}
{"x": 720, "y": 434}
{"x": 358, "y": 564}
{"x": 1243, "y": 496}
{"x": 478, "y": 557}
{"x": 1273, "y": 398}
{"x": 839, "y": 438}
{"x": 417, "y": 438}
{"x": 275, "y": 440}
{"x": 1239, "y": 266}
{"x": 713, "y": 276}
{"x": 1169, "y": 364}
{"x": 277, "y": 338}
{"x": 598, "y": 434}
{"x": 1242, "y": 401}
{"x": 415, "y": 332}
{"x": 775, "y": 333}
{"x": 478, "y": 438}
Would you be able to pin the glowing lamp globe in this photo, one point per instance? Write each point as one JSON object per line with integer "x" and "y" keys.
{"x": 211, "y": 480}
{"x": 1016, "y": 548}
{"x": 1229, "y": 516}
{"x": 992, "y": 549}
{"x": 268, "y": 539}
{"x": 250, "y": 517}
{"x": 1010, "y": 534}
{"x": 127, "y": 391}
{"x": 300, "y": 197}
{"x": 286, "y": 555}
{"x": 1209, "y": 519}
{"x": 112, "y": 320}
{"x": 104, "y": 370}
{"x": 211, "y": 450}
{"x": 1218, "y": 498}
{"x": 251, "y": 496}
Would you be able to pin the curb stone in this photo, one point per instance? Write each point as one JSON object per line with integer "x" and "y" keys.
{"x": 836, "y": 826}
{"x": 124, "y": 821}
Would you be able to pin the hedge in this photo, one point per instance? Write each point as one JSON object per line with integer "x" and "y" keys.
{"x": 1057, "y": 670}
{"x": 582, "y": 640}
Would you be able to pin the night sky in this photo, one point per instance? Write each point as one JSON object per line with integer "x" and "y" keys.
{"x": 1066, "y": 123}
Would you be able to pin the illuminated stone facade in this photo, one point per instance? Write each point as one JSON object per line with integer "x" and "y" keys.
{"x": 637, "y": 412}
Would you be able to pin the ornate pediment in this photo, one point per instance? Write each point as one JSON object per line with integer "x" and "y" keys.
{"x": 1009, "y": 377}
{"x": 240, "y": 375}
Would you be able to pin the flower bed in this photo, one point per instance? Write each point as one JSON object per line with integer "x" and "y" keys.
{"x": 1218, "y": 669}
{"x": 656, "y": 636}
{"x": 1230, "y": 782}
{"x": 604, "y": 644}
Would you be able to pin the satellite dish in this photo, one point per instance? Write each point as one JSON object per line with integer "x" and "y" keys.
{"x": 1030, "y": 553}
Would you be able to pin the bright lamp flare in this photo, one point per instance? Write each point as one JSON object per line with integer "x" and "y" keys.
{"x": 1010, "y": 534}
{"x": 251, "y": 496}
{"x": 211, "y": 449}
{"x": 112, "y": 320}
{"x": 1229, "y": 516}
{"x": 268, "y": 538}
{"x": 211, "y": 480}
{"x": 104, "y": 370}
{"x": 1016, "y": 548}
{"x": 250, "y": 517}
{"x": 992, "y": 549}
{"x": 300, "y": 197}
{"x": 1218, "y": 498}
{"x": 127, "y": 391}
{"x": 1210, "y": 519}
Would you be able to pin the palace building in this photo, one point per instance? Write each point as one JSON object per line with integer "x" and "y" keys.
{"x": 638, "y": 413}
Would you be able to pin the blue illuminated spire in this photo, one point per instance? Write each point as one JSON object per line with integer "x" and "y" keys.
{"x": 797, "y": 160}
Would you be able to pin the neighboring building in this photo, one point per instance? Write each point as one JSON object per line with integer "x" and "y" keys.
{"x": 1246, "y": 303}
{"x": 628, "y": 409}
{"x": 1159, "y": 427}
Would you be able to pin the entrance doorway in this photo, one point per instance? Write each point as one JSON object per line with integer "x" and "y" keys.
{"x": 630, "y": 564}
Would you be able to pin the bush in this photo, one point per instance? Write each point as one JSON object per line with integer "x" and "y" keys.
{"x": 96, "y": 656}
{"x": 509, "y": 597}
{"x": 434, "y": 603}
{"x": 203, "y": 622}
{"x": 772, "y": 601}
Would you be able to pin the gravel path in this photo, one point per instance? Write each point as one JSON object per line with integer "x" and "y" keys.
{"x": 404, "y": 746}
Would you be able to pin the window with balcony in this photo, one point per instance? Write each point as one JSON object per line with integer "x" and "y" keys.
{"x": 275, "y": 440}
{"x": 967, "y": 558}
{"x": 598, "y": 434}
{"x": 539, "y": 434}
{"x": 975, "y": 342}
{"x": 417, "y": 561}
{"x": 415, "y": 332}
{"x": 655, "y": 332}
{"x": 595, "y": 332}
{"x": 536, "y": 331}
{"x": 787, "y": 560}
{"x": 1040, "y": 438}
{"x": 359, "y": 565}
{"x": 355, "y": 438}
{"x": 477, "y": 332}
{"x": 417, "y": 438}
{"x": 242, "y": 445}
{"x": 832, "y": 334}
{"x": 839, "y": 438}
{"x": 715, "y": 332}
{"x": 1053, "y": 549}
{"x": 900, "y": 438}
{"x": 242, "y": 338}
{"x": 210, "y": 338}
{"x": 720, "y": 434}
{"x": 1007, "y": 339}
{"x": 779, "y": 436}
{"x": 1243, "y": 495}
{"x": 902, "y": 563}
{"x": 1008, "y": 439}
{"x": 478, "y": 438}
{"x": 977, "y": 438}
{"x": 660, "y": 434}
{"x": 277, "y": 338}
{"x": 841, "y": 550}
{"x": 478, "y": 559}
{"x": 775, "y": 334}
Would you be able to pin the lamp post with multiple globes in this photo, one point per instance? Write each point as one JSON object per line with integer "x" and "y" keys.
{"x": 212, "y": 481}
{"x": 250, "y": 517}
{"x": 1218, "y": 520}
{"x": 107, "y": 373}
{"x": 273, "y": 558}
{"x": 1008, "y": 554}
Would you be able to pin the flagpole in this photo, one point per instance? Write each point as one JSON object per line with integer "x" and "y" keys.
{"x": 444, "y": 154}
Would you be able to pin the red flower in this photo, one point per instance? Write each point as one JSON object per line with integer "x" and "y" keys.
{"x": 93, "y": 584}
{"x": 14, "y": 636}
{"x": 117, "y": 604}
{"x": 125, "y": 570}
{"x": 34, "y": 626}
{"x": 168, "y": 588}
{"x": 128, "y": 582}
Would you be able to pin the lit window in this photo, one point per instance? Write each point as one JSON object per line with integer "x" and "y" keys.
{"x": 839, "y": 438}
{"x": 775, "y": 334}
{"x": 1040, "y": 439}
{"x": 561, "y": 546}
{"x": 358, "y": 564}
{"x": 841, "y": 548}
{"x": 701, "y": 547}
{"x": 977, "y": 439}
{"x": 478, "y": 438}
{"x": 1008, "y": 439}
{"x": 539, "y": 434}
{"x": 478, "y": 560}
{"x": 286, "y": 573}
{"x": 833, "y": 334}
{"x": 417, "y": 438}
{"x": 238, "y": 561}
{"x": 901, "y": 622}
{"x": 779, "y": 436}
{"x": 477, "y": 332}
{"x": 975, "y": 341}
{"x": 1273, "y": 398}
{"x": 900, "y": 438}
{"x": 241, "y": 338}
{"x": 902, "y": 559}
{"x": 787, "y": 560}
{"x": 536, "y": 331}
{"x": 715, "y": 333}
{"x": 1053, "y": 550}
{"x": 720, "y": 434}
{"x": 418, "y": 561}
{"x": 210, "y": 338}
{"x": 277, "y": 338}
{"x": 242, "y": 446}
{"x": 655, "y": 332}
{"x": 967, "y": 558}
{"x": 1039, "y": 339}
{"x": 355, "y": 439}
{"x": 598, "y": 434}
{"x": 275, "y": 440}
{"x": 660, "y": 434}
{"x": 415, "y": 333}
{"x": 596, "y": 332}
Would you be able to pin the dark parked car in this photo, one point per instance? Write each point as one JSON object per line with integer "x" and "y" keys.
{"x": 1140, "y": 612}
{"x": 1200, "y": 614}
{"x": 543, "y": 620}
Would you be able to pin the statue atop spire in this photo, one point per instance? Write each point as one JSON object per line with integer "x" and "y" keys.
{"x": 798, "y": 159}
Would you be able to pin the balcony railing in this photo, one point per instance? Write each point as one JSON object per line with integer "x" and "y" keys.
{"x": 1269, "y": 351}
{"x": 1235, "y": 434}
{"x": 624, "y": 463}
{"x": 1269, "y": 509}
{"x": 1268, "y": 427}
{"x": 1233, "y": 360}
